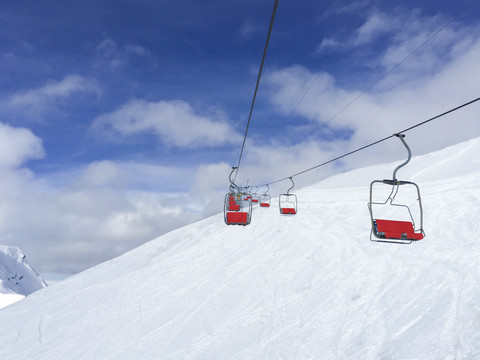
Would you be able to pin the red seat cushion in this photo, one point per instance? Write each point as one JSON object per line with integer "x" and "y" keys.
{"x": 288, "y": 211}
{"x": 264, "y": 204}
{"x": 395, "y": 229}
{"x": 233, "y": 207}
{"x": 237, "y": 218}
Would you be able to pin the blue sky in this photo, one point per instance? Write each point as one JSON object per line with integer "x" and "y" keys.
{"x": 120, "y": 120}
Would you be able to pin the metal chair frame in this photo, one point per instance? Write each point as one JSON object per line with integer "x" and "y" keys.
{"x": 405, "y": 237}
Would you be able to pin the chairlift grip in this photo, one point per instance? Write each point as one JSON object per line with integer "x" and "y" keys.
{"x": 395, "y": 182}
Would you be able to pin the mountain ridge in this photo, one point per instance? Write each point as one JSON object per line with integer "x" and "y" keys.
{"x": 17, "y": 278}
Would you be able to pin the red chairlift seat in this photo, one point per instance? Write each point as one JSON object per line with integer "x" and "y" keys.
{"x": 264, "y": 204}
{"x": 237, "y": 218}
{"x": 286, "y": 211}
{"x": 394, "y": 229}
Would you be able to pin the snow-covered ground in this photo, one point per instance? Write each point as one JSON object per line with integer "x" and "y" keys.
{"x": 17, "y": 277}
{"x": 310, "y": 286}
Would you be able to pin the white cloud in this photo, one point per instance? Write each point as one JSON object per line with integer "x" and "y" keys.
{"x": 109, "y": 54}
{"x": 47, "y": 97}
{"x": 350, "y": 7}
{"x": 209, "y": 177}
{"x": 99, "y": 213}
{"x": 18, "y": 145}
{"x": 401, "y": 30}
{"x": 137, "y": 50}
{"x": 328, "y": 45}
{"x": 288, "y": 85}
{"x": 209, "y": 185}
{"x": 376, "y": 115}
{"x": 248, "y": 28}
{"x": 376, "y": 25}
{"x": 103, "y": 174}
{"x": 8, "y": 56}
{"x": 440, "y": 77}
{"x": 273, "y": 161}
{"x": 174, "y": 122}
{"x": 425, "y": 47}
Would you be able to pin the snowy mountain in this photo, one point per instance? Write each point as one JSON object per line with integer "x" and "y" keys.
{"x": 309, "y": 286}
{"x": 17, "y": 277}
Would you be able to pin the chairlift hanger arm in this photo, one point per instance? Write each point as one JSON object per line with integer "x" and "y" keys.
{"x": 293, "y": 185}
{"x": 268, "y": 189}
{"x": 402, "y": 138}
{"x": 232, "y": 183}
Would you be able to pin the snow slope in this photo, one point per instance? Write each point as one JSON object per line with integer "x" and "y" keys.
{"x": 17, "y": 277}
{"x": 312, "y": 286}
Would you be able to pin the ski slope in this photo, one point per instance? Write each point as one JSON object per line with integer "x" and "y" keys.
{"x": 311, "y": 286}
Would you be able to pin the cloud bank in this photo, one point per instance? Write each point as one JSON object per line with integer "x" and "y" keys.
{"x": 175, "y": 123}
{"x": 39, "y": 101}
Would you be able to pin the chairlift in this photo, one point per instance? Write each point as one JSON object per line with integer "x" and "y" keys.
{"x": 395, "y": 207}
{"x": 288, "y": 202}
{"x": 246, "y": 196}
{"x": 265, "y": 198}
{"x": 237, "y": 208}
{"x": 255, "y": 196}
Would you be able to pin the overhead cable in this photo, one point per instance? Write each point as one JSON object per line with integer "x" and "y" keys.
{"x": 258, "y": 82}
{"x": 376, "y": 142}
